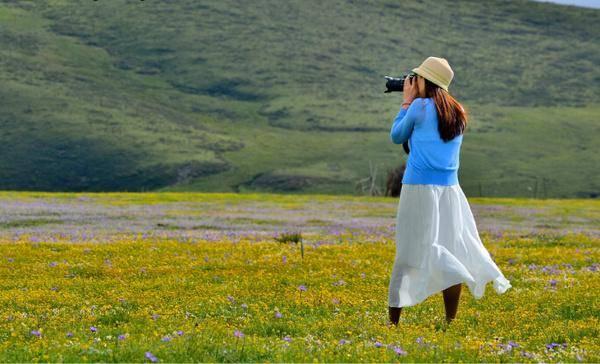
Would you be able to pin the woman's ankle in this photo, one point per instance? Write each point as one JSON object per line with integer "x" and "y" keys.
{"x": 394, "y": 314}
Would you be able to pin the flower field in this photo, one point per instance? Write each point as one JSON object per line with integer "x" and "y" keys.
{"x": 181, "y": 277}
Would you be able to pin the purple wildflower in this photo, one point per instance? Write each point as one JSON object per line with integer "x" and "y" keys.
{"x": 551, "y": 269}
{"x": 151, "y": 357}
{"x": 344, "y": 341}
{"x": 230, "y": 298}
{"x": 302, "y": 288}
{"x": 121, "y": 337}
{"x": 553, "y": 345}
{"x": 93, "y": 329}
{"x": 284, "y": 259}
{"x": 278, "y": 314}
{"x": 53, "y": 264}
{"x": 398, "y": 350}
{"x": 180, "y": 332}
{"x": 287, "y": 338}
{"x": 553, "y": 282}
{"x": 244, "y": 306}
{"x": 36, "y": 333}
{"x": 378, "y": 344}
{"x": 166, "y": 338}
{"x": 238, "y": 334}
{"x": 513, "y": 344}
{"x": 341, "y": 282}
{"x": 69, "y": 334}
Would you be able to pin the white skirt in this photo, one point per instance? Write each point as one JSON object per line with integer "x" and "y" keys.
{"x": 438, "y": 246}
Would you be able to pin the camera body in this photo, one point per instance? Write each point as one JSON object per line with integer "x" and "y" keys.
{"x": 396, "y": 83}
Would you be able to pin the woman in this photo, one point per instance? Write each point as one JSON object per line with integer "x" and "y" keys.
{"x": 437, "y": 242}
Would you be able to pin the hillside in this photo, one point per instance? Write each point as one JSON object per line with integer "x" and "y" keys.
{"x": 218, "y": 96}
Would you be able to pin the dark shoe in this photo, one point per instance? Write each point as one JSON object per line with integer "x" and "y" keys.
{"x": 394, "y": 314}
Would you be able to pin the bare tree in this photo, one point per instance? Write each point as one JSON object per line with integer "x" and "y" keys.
{"x": 368, "y": 184}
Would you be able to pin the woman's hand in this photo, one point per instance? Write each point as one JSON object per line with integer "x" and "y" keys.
{"x": 410, "y": 89}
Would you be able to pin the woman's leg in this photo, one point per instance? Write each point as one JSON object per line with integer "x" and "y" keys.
{"x": 451, "y": 297}
{"x": 395, "y": 314}
{"x": 394, "y": 294}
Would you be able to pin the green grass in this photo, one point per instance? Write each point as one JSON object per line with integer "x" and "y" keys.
{"x": 115, "y": 300}
{"x": 27, "y": 223}
{"x": 218, "y": 96}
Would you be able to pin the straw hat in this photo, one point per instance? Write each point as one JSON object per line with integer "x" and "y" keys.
{"x": 436, "y": 70}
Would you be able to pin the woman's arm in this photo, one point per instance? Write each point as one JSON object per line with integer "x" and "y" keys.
{"x": 403, "y": 124}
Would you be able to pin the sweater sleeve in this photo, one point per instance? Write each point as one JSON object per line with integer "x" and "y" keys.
{"x": 403, "y": 124}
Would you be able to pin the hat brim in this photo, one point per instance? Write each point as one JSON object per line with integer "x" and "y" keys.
{"x": 427, "y": 76}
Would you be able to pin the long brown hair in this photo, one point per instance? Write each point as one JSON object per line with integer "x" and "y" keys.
{"x": 452, "y": 116}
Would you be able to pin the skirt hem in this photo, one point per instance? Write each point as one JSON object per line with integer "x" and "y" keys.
{"x": 500, "y": 284}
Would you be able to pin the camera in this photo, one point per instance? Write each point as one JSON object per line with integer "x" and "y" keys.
{"x": 396, "y": 83}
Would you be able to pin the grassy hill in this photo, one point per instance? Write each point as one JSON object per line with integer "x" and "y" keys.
{"x": 271, "y": 96}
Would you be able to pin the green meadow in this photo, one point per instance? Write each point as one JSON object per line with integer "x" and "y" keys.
{"x": 187, "y": 277}
{"x": 179, "y": 179}
{"x": 118, "y": 95}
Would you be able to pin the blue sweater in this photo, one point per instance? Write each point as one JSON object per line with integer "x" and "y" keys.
{"x": 431, "y": 160}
